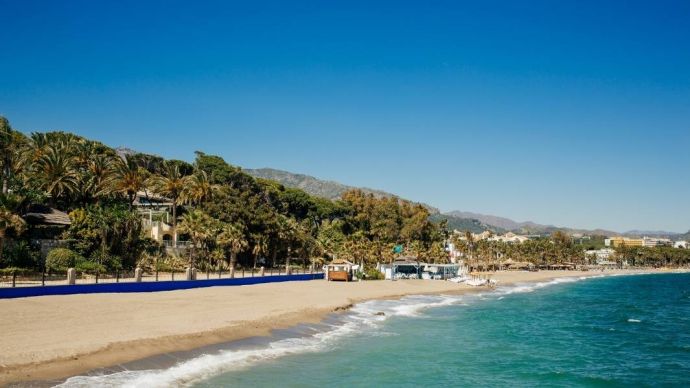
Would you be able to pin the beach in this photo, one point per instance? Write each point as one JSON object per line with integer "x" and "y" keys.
{"x": 58, "y": 336}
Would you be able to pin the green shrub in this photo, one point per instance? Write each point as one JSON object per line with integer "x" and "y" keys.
{"x": 87, "y": 266}
{"x": 20, "y": 254}
{"x": 9, "y": 271}
{"x": 59, "y": 259}
{"x": 373, "y": 274}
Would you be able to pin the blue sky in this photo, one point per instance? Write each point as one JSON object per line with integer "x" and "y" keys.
{"x": 571, "y": 113}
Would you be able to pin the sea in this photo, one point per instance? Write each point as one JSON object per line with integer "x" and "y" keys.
{"x": 599, "y": 331}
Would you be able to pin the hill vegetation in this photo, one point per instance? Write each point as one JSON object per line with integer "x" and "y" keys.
{"x": 464, "y": 224}
{"x": 318, "y": 187}
{"x": 229, "y": 217}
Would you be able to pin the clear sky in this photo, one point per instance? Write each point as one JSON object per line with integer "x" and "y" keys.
{"x": 573, "y": 113}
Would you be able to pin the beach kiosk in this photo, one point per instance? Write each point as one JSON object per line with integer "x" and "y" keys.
{"x": 339, "y": 270}
{"x": 406, "y": 267}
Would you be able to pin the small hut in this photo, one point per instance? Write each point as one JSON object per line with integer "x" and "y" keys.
{"x": 339, "y": 269}
{"x": 511, "y": 264}
{"x": 46, "y": 224}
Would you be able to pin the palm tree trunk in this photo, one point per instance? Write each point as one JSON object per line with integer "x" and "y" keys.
{"x": 191, "y": 257}
{"x": 287, "y": 261}
{"x": 233, "y": 259}
{"x": 174, "y": 222}
{"x": 6, "y": 176}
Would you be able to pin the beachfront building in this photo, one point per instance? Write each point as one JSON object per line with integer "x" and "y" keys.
{"x": 156, "y": 216}
{"x": 439, "y": 271}
{"x": 599, "y": 254}
{"x": 406, "y": 267}
{"x": 637, "y": 242}
{"x": 623, "y": 241}
{"x": 454, "y": 254}
{"x": 602, "y": 258}
{"x": 656, "y": 242}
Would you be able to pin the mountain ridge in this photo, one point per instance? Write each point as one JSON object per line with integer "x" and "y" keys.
{"x": 530, "y": 227}
{"x": 319, "y": 187}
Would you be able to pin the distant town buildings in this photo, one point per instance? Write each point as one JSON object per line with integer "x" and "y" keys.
{"x": 509, "y": 237}
{"x": 637, "y": 242}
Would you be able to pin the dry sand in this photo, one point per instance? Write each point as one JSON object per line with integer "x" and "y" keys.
{"x": 57, "y": 336}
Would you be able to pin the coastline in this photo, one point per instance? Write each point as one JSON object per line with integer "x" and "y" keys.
{"x": 68, "y": 335}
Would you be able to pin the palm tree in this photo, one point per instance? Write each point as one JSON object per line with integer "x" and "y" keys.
{"x": 260, "y": 247}
{"x": 469, "y": 238}
{"x": 94, "y": 179}
{"x": 8, "y": 217}
{"x": 128, "y": 178}
{"x": 11, "y": 143}
{"x": 232, "y": 237}
{"x": 288, "y": 229}
{"x": 171, "y": 184}
{"x": 34, "y": 149}
{"x": 199, "y": 189}
{"x": 199, "y": 227}
{"x": 55, "y": 173}
{"x": 101, "y": 175}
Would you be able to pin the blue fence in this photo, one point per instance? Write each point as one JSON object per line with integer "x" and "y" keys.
{"x": 22, "y": 292}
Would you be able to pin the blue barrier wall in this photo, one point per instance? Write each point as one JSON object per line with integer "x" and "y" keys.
{"x": 22, "y": 292}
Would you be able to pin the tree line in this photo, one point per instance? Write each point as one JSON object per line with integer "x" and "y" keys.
{"x": 560, "y": 248}
{"x": 230, "y": 218}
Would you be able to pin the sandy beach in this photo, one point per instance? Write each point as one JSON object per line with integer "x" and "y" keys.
{"x": 57, "y": 336}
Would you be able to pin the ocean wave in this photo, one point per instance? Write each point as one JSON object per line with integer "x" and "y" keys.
{"x": 190, "y": 371}
{"x": 362, "y": 316}
{"x": 531, "y": 287}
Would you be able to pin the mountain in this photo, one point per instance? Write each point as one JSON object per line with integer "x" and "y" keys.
{"x": 527, "y": 227}
{"x": 318, "y": 187}
{"x": 460, "y": 223}
{"x": 651, "y": 233}
{"x": 124, "y": 152}
{"x": 498, "y": 222}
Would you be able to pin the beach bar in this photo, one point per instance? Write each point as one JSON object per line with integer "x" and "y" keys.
{"x": 439, "y": 271}
{"x": 340, "y": 269}
{"x": 406, "y": 267}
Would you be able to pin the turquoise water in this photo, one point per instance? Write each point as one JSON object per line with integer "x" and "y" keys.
{"x": 611, "y": 331}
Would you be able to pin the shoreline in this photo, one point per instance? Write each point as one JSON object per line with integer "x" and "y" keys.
{"x": 231, "y": 320}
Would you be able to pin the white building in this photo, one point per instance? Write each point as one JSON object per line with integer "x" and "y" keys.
{"x": 656, "y": 242}
{"x": 600, "y": 255}
{"x": 681, "y": 244}
{"x": 509, "y": 237}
